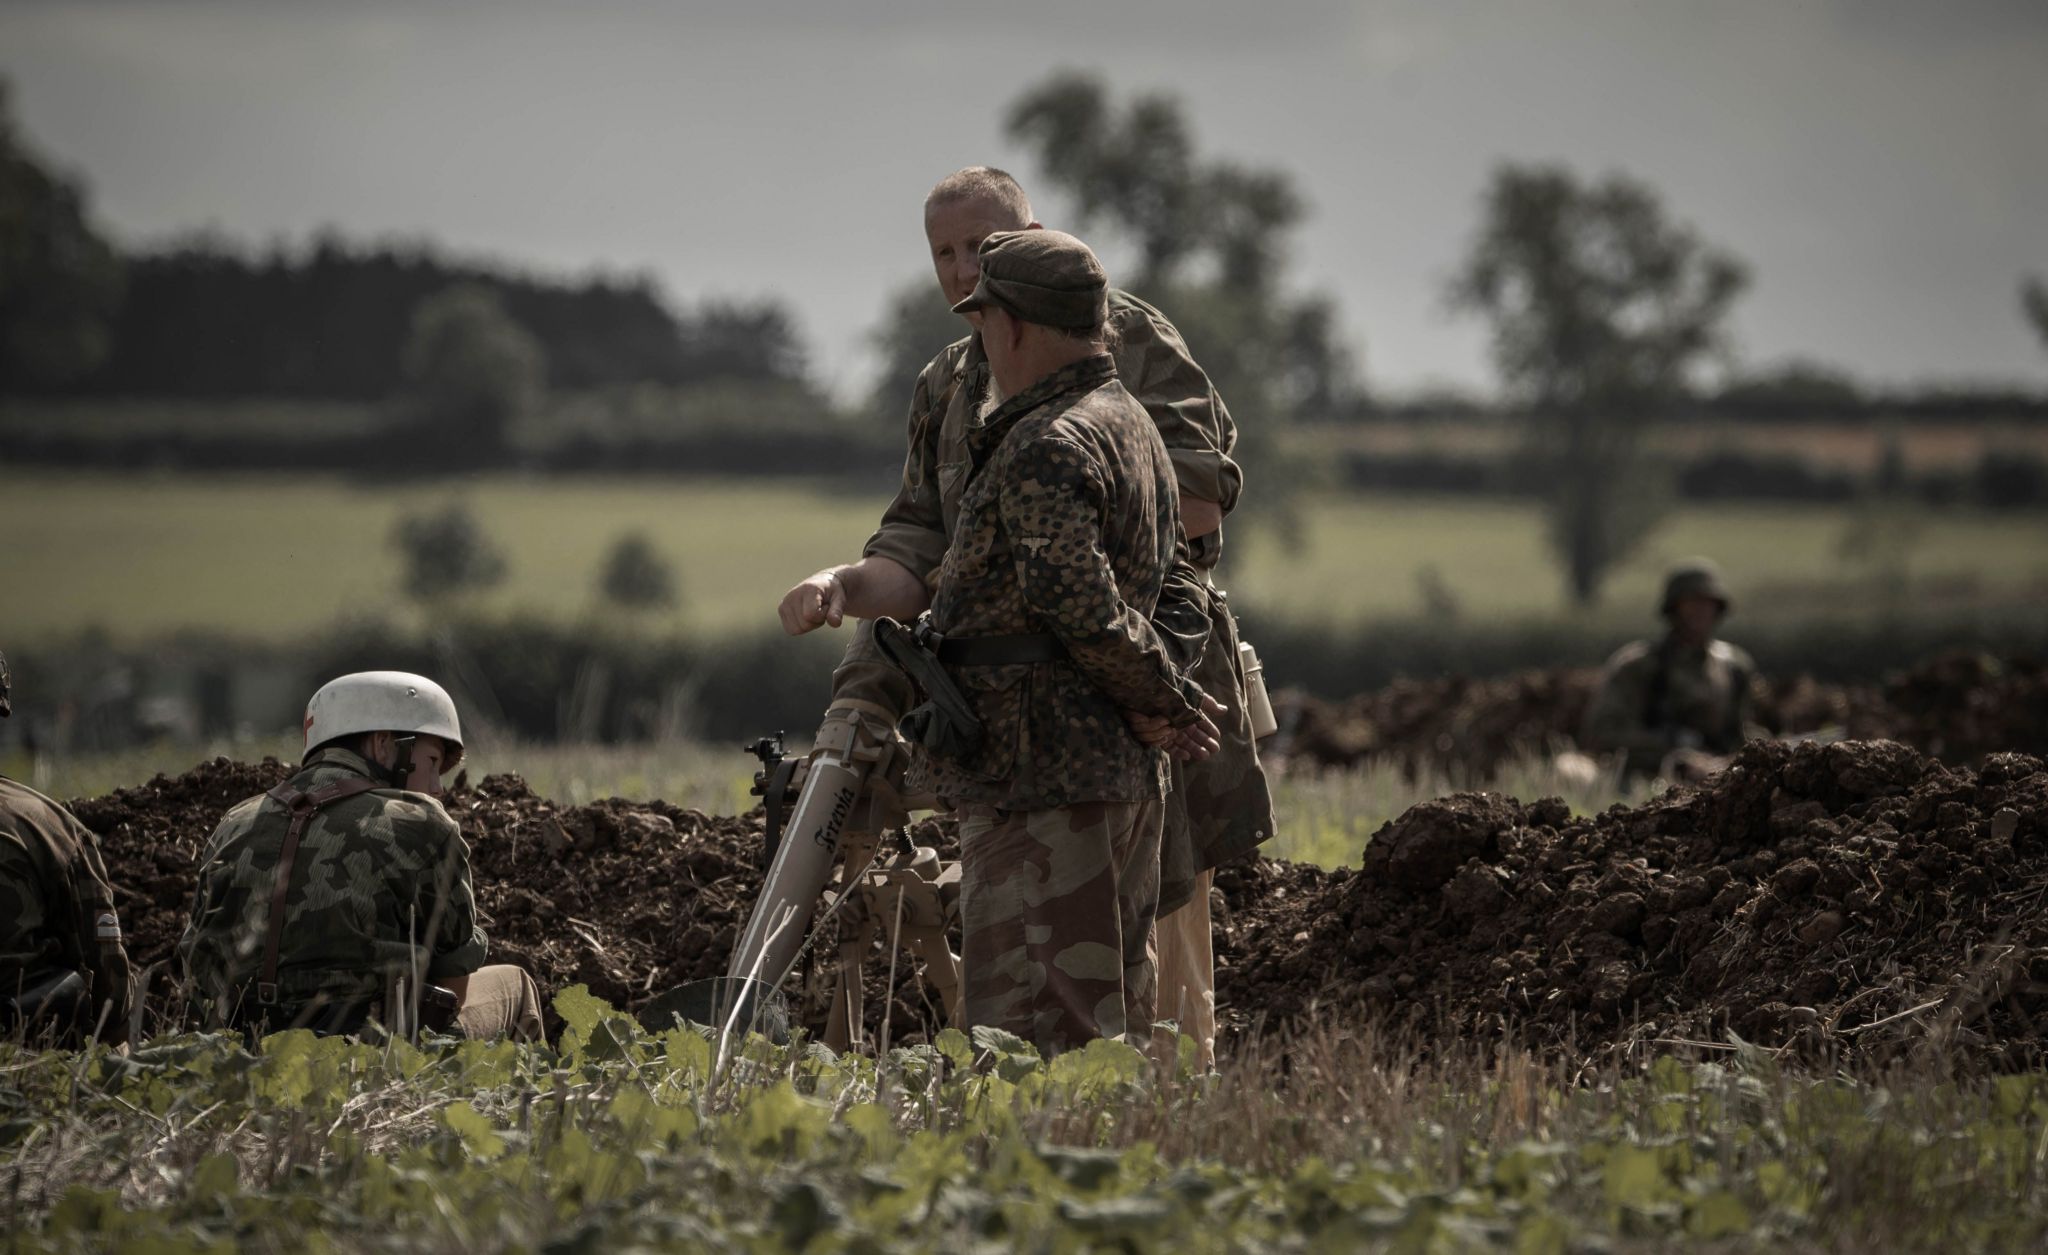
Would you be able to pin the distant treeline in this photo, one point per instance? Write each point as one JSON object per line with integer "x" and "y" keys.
{"x": 2000, "y": 478}
{"x": 204, "y": 319}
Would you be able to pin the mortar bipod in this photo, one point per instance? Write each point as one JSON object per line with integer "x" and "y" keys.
{"x": 909, "y": 879}
{"x": 853, "y": 756}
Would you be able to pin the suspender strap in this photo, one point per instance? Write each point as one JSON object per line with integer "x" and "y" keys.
{"x": 302, "y": 805}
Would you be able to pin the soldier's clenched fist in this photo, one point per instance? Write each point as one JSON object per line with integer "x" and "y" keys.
{"x": 817, "y": 601}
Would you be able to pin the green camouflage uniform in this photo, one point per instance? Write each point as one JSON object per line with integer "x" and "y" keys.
{"x": 57, "y": 909}
{"x": 1219, "y": 809}
{"x": 379, "y": 888}
{"x": 1067, "y": 525}
{"x": 1656, "y": 697}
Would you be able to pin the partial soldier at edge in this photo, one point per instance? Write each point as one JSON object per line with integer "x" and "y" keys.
{"x": 64, "y": 973}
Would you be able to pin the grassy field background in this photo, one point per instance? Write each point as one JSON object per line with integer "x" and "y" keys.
{"x": 272, "y": 558}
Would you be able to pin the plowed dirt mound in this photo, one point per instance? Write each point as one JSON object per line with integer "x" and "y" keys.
{"x": 1846, "y": 899}
{"x": 1958, "y": 707}
{"x": 626, "y": 897}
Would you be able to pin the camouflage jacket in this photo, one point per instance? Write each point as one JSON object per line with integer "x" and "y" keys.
{"x": 1152, "y": 362}
{"x": 56, "y": 906}
{"x": 1221, "y": 808}
{"x": 380, "y": 883}
{"x": 1068, "y": 526}
{"x": 1655, "y": 697}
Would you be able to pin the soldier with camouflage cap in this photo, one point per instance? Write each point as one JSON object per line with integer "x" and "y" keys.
{"x": 63, "y": 968}
{"x": 1068, "y": 526}
{"x": 344, "y": 894}
{"x": 1220, "y": 809}
{"x": 1675, "y": 706}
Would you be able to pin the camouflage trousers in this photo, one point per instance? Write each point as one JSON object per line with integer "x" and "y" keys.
{"x": 1056, "y": 910}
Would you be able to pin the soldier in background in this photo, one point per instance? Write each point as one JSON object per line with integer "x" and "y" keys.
{"x": 343, "y": 895}
{"x": 1676, "y": 707}
{"x": 1219, "y": 809}
{"x": 63, "y": 969}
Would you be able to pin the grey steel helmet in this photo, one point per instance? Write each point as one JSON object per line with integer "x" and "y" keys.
{"x": 383, "y": 701}
{"x": 1694, "y": 577}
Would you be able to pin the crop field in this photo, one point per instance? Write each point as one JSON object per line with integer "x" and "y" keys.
{"x": 621, "y": 1139}
{"x": 125, "y": 552}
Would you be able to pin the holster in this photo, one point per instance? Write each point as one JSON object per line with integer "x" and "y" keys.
{"x": 945, "y": 722}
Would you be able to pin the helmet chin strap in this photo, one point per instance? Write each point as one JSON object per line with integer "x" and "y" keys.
{"x": 400, "y": 770}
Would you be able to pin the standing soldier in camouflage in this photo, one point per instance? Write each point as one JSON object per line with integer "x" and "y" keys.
{"x": 343, "y": 895}
{"x": 1219, "y": 809}
{"x": 1068, "y": 526}
{"x": 62, "y": 966}
{"x": 1678, "y": 706}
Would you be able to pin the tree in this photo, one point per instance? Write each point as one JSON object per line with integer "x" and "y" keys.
{"x": 60, "y": 282}
{"x": 2034, "y": 304}
{"x": 446, "y": 554}
{"x": 1602, "y": 311}
{"x": 755, "y": 341}
{"x": 636, "y": 576}
{"x": 470, "y": 369}
{"x": 1210, "y": 237}
{"x": 915, "y": 326}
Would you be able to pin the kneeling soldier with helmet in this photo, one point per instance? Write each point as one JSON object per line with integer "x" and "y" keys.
{"x": 1676, "y": 707}
{"x": 343, "y": 895}
{"x": 63, "y": 971}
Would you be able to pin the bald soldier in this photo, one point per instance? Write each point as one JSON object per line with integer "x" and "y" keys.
{"x": 1675, "y": 706}
{"x": 63, "y": 969}
{"x": 1219, "y": 809}
{"x": 343, "y": 895}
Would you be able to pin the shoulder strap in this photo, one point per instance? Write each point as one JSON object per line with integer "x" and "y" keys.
{"x": 1657, "y": 697}
{"x": 302, "y": 805}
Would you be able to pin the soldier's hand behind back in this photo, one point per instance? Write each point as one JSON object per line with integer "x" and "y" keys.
{"x": 1193, "y": 742}
{"x": 817, "y": 601}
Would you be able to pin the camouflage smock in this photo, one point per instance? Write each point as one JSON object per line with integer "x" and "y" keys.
{"x": 1656, "y": 696}
{"x": 1068, "y": 525}
{"x": 1220, "y": 808}
{"x": 56, "y": 906}
{"x": 373, "y": 871}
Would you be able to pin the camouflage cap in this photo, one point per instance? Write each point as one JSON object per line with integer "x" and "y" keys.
{"x": 1044, "y": 277}
{"x": 1695, "y": 577}
{"x": 6, "y": 706}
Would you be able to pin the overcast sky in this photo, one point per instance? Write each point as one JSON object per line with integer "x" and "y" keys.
{"x": 1883, "y": 165}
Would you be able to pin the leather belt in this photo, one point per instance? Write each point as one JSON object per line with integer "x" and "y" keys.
{"x": 1000, "y": 651}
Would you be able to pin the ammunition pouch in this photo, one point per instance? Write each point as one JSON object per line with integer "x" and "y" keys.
{"x": 945, "y": 722}
{"x": 438, "y": 1008}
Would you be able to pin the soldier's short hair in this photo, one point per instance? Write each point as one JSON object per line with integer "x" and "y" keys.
{"x": 981, "y": 183}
